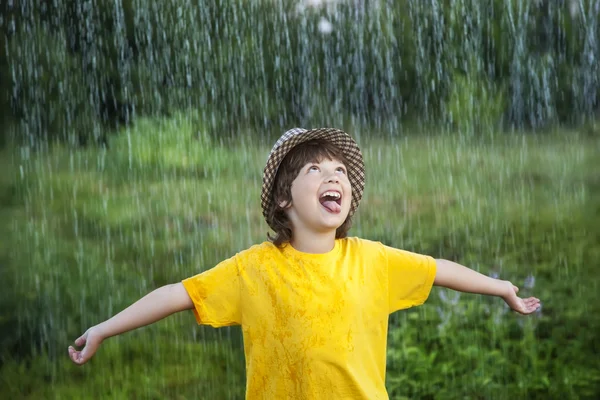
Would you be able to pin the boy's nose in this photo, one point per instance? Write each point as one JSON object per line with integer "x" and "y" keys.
{"x": 333, "y": 179}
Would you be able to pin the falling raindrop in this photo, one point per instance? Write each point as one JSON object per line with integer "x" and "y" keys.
{"x": 325, "y": 26}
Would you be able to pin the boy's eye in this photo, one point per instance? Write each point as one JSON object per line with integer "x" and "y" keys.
{"x": 313, "y": 168}
{"x": 342, "y": 170}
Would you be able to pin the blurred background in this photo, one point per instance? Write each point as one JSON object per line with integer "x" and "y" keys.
{"x": 133, "y": 136}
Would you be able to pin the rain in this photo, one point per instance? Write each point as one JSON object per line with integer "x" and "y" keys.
{"x": 133, "y": 137}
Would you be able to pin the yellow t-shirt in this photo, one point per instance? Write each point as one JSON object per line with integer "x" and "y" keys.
{"x": 314, "y": 325}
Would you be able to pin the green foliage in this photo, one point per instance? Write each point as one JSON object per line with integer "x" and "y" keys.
{"x": 167, "y": 369}
{"x": 508, "y": 208}
{"x": 87, "y": 227}
{"x": 68, "y": 69}
{"x": 48, "y": 84}
{"x": 475, "y": 106}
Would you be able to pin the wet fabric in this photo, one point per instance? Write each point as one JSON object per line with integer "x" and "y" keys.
{"x": 314, "y": 325}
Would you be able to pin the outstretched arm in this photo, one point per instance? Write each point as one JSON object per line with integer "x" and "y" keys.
{"x": 155, "y": 306}
{"x": 455, "y": 276}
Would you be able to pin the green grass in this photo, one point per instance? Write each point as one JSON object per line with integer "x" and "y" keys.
{"x": 138, "y": 365}
{"x": 87, "y": 232}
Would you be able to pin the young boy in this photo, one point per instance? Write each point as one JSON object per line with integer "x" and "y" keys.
{"x": 313, "y": 303}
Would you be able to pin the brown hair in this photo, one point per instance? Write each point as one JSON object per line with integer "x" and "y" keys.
{"x": 314, "y": 150}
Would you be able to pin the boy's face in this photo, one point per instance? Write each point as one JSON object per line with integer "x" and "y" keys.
{"x": 321, "y": 197}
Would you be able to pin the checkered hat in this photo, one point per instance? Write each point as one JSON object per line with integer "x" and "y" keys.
{"x": 292, "y": 138}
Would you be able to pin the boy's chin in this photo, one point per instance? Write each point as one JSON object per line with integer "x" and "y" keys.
{"x": 333, "y": 225}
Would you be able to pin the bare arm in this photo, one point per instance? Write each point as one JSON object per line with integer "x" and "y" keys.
{"x": 153, "y": 307}
{"x": 457, "y": 277}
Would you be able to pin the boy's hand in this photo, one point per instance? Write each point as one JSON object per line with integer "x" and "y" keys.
{"x": 522, "y": 306}
{"x": 91, "y": 340}
{"x": 154, "y": 306}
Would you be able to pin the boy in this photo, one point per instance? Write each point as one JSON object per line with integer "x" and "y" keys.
{"x": 313, "y": 304}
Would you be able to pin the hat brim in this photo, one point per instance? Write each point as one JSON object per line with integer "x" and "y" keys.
{"x": 292, "y": 138}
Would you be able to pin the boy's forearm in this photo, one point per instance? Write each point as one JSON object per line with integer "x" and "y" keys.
{"x": 153, "y": 307}
{"x": 457, "y": 277}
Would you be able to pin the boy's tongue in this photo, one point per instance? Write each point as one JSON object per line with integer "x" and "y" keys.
{"x": 332, "y": 206}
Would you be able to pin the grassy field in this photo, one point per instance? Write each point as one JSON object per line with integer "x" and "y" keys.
{"x": 87, "y": 232}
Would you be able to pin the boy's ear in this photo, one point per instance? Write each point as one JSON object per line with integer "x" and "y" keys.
{"x": 284, "y": 204}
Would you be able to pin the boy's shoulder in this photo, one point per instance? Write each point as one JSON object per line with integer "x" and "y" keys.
{"x": 358, "y": 242}
{"x": 264, "y": 247}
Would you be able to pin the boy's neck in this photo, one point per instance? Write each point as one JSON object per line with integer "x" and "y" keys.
{"x": 313, "y": 243}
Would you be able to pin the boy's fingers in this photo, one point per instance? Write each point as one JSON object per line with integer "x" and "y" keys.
{"x": 73, "y": 354}
{"x": 78, "y": 357}
{"x": 533, "y": 302}
{"x": 80, "y": 340}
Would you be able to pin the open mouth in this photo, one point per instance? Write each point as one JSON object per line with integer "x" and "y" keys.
{"x": 332, "y": 201}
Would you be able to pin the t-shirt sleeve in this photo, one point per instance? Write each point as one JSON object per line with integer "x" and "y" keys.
{"x": 410, "y": 278}
{"x": 216, "y": 294}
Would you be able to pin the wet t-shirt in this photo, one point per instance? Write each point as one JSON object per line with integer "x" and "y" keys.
{"x": 314, "y": 325}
